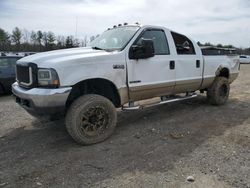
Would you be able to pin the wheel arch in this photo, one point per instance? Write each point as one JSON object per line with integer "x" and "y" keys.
{"x": 223, "y": 72}
{"x": 98, "y": 86}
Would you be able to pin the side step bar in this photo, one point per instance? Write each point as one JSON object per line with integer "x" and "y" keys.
{"x": 164, "y": 100}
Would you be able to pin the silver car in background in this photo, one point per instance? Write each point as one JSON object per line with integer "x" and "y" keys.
{"x": 244, "y": 59}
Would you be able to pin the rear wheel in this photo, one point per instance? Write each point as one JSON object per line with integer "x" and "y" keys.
{"x": 91, "y": 119}
{"x": 218, "y": 93}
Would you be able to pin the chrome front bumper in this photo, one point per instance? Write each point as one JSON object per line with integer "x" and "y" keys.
{"x": 41, "y": 101}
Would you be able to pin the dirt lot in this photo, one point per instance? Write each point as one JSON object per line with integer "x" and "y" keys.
{"x": 154, "y": 147}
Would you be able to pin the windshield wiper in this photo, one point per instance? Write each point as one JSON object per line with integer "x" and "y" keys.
{"x": 97, "y": 48}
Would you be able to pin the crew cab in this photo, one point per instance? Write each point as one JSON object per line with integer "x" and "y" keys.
{"x": 124, "y": 65}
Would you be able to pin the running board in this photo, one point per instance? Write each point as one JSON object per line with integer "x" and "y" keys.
{"x": 131, "y": 107}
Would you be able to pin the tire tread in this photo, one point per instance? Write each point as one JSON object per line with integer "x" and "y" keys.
{"x": 82, "y": 102}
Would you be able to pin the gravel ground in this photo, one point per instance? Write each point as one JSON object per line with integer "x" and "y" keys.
{"x": 155, "y": 147}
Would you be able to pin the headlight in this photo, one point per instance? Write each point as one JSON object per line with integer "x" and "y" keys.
{"x": 47, "y": 78}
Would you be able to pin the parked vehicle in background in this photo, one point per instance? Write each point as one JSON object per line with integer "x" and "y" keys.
{"x": 213, "y": 50}
{"x": 7, "y": 72}
{"x": 244, "y": 59}
{"x": 124, "y": 65}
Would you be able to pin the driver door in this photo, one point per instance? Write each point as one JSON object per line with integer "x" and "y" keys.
{"x": 154, "y": 76}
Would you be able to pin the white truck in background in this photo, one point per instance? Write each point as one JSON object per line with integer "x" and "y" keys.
{"x": 125, "y": 64}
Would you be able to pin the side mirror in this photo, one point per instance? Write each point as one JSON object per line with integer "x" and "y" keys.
{"x": 143, "y": 51}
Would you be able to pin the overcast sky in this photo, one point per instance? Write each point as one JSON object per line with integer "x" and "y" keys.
{"x": 226, "y": 22}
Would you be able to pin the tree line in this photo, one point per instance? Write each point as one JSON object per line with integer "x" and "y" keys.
{"x": 22, "y": 40}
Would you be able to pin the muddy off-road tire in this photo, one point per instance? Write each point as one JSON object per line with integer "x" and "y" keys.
{"x": 218, "y": 93}
{"x": 91, "y": 119}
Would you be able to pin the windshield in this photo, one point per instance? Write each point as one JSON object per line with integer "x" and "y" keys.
{"x": 114, "y": 39}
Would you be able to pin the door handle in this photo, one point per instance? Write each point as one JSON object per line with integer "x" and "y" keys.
{"x": 198, "y": 63}
{"x": 172, "y": 64}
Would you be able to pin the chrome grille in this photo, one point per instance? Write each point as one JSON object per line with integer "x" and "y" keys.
{"x": 24, "y": 75}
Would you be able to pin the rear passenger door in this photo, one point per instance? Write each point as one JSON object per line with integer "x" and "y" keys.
{"x": 188, "y": 63}
{"x": 151, "y": 77}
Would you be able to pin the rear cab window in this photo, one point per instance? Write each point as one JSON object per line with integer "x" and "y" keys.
{"x": 183, "y": 45}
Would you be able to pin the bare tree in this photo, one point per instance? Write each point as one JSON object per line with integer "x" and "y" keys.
{"x": 76, "y": 42}
{"x": 91, "y": 38}
{"x": 84, "y": 42}
{"x": 26, "y": 36}
{"x": 60, "y": 41}
{"x": 45, "y": 39}
{"x": 33, "y": 37}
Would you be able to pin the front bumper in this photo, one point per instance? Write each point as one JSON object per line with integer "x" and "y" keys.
{"x": 41, "y": 101}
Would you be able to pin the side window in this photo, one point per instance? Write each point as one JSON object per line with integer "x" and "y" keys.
{"x": 4, "y": 63}
{"x": 183, "y": 44}
{"x": 159, "y": 40}
{"x": 243, "y": 56}
{"x": 8, "y": 62}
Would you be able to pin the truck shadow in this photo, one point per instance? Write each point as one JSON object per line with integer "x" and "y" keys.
{"x": 150, "y": 140}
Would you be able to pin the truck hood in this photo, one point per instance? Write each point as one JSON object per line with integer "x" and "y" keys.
{"x": 59, "y": 57}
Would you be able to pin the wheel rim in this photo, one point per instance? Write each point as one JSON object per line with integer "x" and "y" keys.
{"x": 223, "y": 91}
{"x": 94, "y": 121}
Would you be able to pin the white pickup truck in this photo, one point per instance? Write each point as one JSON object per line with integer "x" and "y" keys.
{"x": 124, "y": 65}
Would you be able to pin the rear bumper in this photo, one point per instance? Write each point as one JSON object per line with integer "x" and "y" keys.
{"x": 41, "y": 101}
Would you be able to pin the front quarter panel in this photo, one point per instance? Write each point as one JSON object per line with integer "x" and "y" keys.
{"x": 75, "y": 70}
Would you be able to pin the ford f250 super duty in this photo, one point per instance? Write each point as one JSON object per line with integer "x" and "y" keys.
{"x": 124, "y": 65}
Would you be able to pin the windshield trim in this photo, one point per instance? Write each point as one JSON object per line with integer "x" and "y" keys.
{"x": 130, "y": 38}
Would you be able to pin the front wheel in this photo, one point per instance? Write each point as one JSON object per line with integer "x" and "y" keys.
{"x": 91, "y": 119}
{"x": 218, "y": 92}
